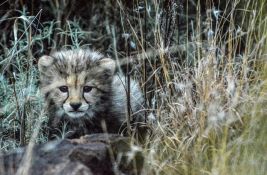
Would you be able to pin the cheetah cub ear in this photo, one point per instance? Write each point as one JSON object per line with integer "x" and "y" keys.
{"x": 44, "y": 62}
{"x": 108, "y": 64}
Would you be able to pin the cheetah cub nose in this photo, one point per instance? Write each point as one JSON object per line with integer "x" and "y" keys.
{"x": 75, "y": 106}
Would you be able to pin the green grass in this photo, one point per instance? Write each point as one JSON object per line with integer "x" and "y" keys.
{"x": 203, "y": 75}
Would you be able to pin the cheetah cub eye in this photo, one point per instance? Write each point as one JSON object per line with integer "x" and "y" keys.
{"x": 87, "y": 89}
{"x": 63, "y": 89}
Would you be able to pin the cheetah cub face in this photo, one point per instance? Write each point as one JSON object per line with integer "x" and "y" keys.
{"x": 76, "y": 83}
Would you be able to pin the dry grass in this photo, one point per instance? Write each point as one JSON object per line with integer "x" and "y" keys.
{"x": 202, "y": 70}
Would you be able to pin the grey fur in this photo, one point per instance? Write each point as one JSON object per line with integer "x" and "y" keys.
{"x": 111, "y": 93}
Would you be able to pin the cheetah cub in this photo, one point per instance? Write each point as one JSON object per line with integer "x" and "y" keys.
{"x": 82, "y": 91}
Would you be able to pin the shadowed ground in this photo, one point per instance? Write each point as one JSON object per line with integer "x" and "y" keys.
{"x": 91, "y": 154}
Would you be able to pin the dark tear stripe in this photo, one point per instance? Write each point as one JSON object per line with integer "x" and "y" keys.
{"x": 85, "y": 99}
{"x": 66, "y": 98}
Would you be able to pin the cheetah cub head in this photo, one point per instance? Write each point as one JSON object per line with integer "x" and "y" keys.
{"x": 76, "y": 83}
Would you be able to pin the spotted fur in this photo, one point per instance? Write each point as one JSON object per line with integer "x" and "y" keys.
{"x": 82, "y": 91}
